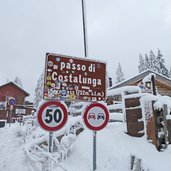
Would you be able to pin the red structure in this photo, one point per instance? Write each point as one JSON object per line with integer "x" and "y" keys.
{"x": 20, "y": 108}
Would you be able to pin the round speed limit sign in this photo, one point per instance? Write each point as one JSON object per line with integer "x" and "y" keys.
{"x": 52, "y": 116}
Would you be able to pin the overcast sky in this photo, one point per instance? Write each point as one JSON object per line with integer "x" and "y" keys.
{"x": 118, "y": 30}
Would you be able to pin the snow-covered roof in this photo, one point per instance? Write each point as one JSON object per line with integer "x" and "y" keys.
{"x": 165, "y": 80}
{"x": 12, "y": 83}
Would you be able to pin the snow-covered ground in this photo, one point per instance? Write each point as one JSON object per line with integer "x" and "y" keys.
{"x": 114, "y": 149}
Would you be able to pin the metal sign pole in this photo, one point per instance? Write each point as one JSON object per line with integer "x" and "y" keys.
{"x": 86, "y": 54}
{"x": 50, "y": 149}
{"x": 50, "y": 142}
{"x": 94, "y": 150}
{"x": 84, "y": 29}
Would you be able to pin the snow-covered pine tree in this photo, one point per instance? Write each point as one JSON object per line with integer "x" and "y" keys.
{"x": 18, "y": 81}
{"x": 119, "y": 74}
{"x": 154, "y": 63}
{"x": 160, "y": 64}
{"x": 152, "y": 60}
{"x": 147, "y": 62}
{"x": 39, "y": 90}
{"x": 170, "y": 73}
{"x": 141, "y": 66}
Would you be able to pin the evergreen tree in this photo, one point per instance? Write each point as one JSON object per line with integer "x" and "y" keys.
{"x": 152, "y": 60}
{"x": 18, "y": 81}
{"x": 119, "y": 74}
{"x": 160, "y": 64}
{"x": 154, "y": 63}
{"x": 170, "y": 73}
{"x": 39, "y": 90}
{"x": 141, "y": 66}
{"x": 147, "y": 63}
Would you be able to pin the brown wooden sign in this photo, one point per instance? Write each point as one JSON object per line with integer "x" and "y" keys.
{"x": 68, "y": 78}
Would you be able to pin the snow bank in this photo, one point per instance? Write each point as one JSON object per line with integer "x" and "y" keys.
{"x": 120, "y": 91}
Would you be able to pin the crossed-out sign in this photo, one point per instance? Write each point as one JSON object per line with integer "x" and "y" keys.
{"x": 96, "y": 116}
{"x": 52, "y": 116}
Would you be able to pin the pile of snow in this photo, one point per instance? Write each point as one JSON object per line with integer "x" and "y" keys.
{"x": 114, "y": 149}
{"x": 122, "y": 90}
{"x": 116, "y": 117}
{"x": 78, "y": 108}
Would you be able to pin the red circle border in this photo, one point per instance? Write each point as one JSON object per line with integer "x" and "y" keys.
{"x": 40, "y": 112}
{"x": 86, "y": 113}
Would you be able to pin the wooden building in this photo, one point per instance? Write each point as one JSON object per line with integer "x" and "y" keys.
{"x": 20, "y": 108}
{"x": 162, "y": 83}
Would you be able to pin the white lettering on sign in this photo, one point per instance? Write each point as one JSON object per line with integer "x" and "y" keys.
{"x": 54, "y": 74}
{"x": 76, "y": 79}
{"x": 72, "y": 66}
{"x": 78, "y": 67}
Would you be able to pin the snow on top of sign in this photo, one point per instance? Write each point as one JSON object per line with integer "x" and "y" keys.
{"x": 121, "y": 90}
{"x": 96, "y": 59}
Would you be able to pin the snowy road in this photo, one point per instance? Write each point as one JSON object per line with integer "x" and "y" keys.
{"x": 114, "y": 148}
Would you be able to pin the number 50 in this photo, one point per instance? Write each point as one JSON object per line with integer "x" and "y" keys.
{"x": 51, "y": 115}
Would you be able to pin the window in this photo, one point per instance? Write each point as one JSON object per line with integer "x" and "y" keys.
{"x": 2, "y": 105}
{"x": 20, "y": 111}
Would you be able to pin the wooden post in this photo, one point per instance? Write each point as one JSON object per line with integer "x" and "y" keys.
{"x": 138, "y": 165}
{"x": 153, "y": 85}
{"x": 165, "y": 124}
{"x": 132, "y": 161}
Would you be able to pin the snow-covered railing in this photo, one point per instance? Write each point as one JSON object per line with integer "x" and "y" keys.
{"x": 123, "y": 91}
{"x": 77, "y": 108}
{"x": 37, "y": 150}
{"x": 136, "y": 164}
{"x": 115, "y": 108}
{"x": 116, "y": 117}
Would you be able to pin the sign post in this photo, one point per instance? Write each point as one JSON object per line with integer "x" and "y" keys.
{"x": 96, "y": 117}
{"x": 50, "y": 142}
{"x": 52, "y": 116}
{"x": 11, "y": 102}
{"x": 94, "y": 150}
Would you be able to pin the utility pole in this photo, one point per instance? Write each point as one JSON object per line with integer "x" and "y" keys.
{"x": 84, "y": 28}
{"x": 86, "y": 54}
